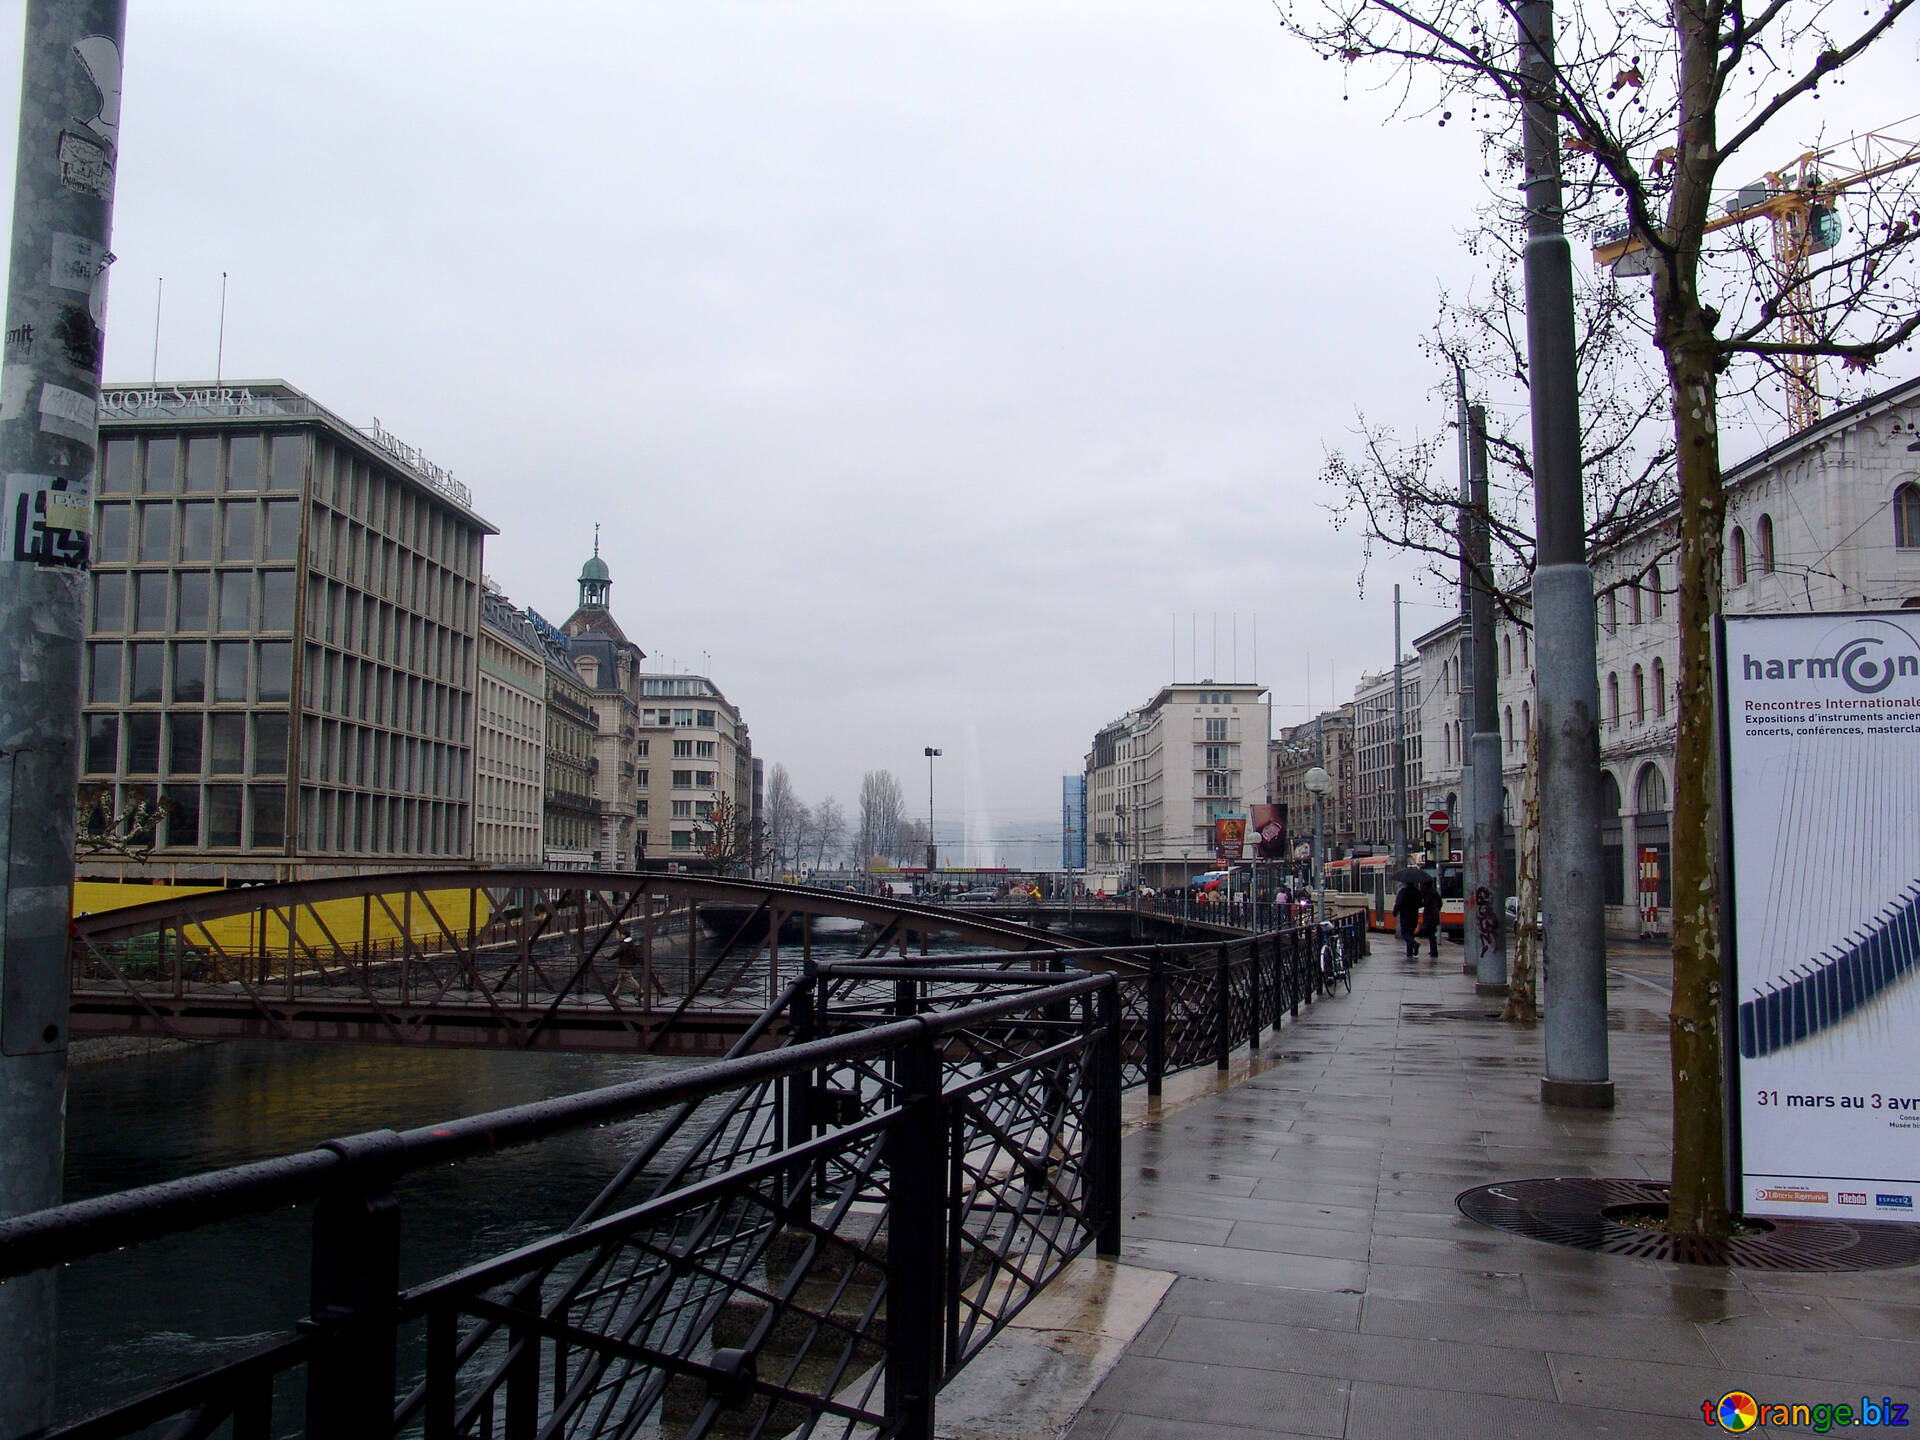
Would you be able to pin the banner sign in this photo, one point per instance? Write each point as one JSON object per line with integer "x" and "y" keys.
{"x": 1821, "y": 718}
{"x": 1229, "y": 836}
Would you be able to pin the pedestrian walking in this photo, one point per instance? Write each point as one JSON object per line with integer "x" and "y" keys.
{"x": 1406, "y": 911}
{"x": 1430, "y": 917}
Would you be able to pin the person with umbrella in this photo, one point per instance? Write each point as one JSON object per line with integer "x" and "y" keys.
{"x": 1407, "y": 908}
{"x": 1430, "y": 915}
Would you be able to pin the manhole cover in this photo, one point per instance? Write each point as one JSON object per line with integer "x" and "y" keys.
{"x": 1574, "y": 1212}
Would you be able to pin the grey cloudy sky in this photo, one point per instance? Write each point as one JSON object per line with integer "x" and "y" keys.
{"x": 921, "y": 362}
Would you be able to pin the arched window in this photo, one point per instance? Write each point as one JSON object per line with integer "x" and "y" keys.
{"x": 1650, "y": 794}
{"x": 1633, "y": 603}
{"x": 1506, "y": 807}
{"x": 1506, "y": 656}
{"x": 1609, "y": 795}
{"x": 1526, "y": 657}
{"x": 1526, "y": 723}
{"x": 1659, "y": 686}
{"x": 1613, "y": 611}
{"x": 1639, "y": 696}
{"x": 1653, "y": 590}
{"x": 1509, "y": 728}
{"x": 1739, "y": 548}
{"x": 1766, "y": 544}
{"x": 1613, "y": 702}
{"x": 1906, "y": 516}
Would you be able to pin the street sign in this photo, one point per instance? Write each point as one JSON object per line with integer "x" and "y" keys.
{"x": 1439, "y": 822}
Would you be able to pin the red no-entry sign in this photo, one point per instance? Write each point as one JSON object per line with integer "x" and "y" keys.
{"x": 1439, "y": 822}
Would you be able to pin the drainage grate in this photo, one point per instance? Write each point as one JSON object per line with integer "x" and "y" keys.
{"x": 1575, "y": 1212}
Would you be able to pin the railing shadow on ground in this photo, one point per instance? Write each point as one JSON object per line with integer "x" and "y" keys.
{"x": 735, "y": 1277}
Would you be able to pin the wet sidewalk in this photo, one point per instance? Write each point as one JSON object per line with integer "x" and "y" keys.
{"x": 1327, "y": 1286}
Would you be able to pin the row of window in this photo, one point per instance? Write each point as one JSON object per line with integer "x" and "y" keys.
{"x": 1639, "y": 694}
{"x": 1737, "y": 549}
{"x": 693, "y": 749}
{"x": 684, "y": 719}
{"x": 397, "y": 510}
{"x": 164, "y": 464}
{"x": 423, "y": 644}
{"x": 346, "y": 822}
{"x": 215, "y": 817}
{"x": 185, "y": 742}
{"x": 159, "y": 672}
{"x": 367, "y": 561}
{"x": 163, "y": 533}
{"x": 333, "y": 752}
{"x": 159, "y": 601}
{"x": 350, "y": 688}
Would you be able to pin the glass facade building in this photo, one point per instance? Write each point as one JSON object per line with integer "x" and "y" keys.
{"x": 283, "y": 637}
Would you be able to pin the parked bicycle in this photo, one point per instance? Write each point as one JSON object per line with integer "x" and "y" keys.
{"x": 1333, "y": 959}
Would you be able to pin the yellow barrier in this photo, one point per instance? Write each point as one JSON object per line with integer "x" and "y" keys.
{"x": 351, "y": 922}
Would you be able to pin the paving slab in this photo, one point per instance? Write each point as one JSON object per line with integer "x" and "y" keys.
{"x": 1328, "y": 1286}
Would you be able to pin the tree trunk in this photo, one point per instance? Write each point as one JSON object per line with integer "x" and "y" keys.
{"x": 1523, "y": 1000}
{"x": 1699, "y": 1200}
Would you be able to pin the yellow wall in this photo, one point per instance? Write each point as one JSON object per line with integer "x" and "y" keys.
{"x": 342, "y": 918}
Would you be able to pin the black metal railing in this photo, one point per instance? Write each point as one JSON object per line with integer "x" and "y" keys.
{"x": 735, "y": 1277}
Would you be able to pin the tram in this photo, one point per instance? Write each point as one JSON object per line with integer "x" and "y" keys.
{"x": 1368, "y": 875}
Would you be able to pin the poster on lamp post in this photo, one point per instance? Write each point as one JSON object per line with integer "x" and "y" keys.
{"x": 1821, "y": 723}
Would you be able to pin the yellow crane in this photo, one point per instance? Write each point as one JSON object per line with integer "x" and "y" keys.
{"x": 1797, "y": 200}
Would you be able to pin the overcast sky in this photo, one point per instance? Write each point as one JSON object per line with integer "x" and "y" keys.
{"x": 921, "y": 362}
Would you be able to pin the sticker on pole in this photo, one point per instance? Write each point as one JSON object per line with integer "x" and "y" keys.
{"x": 1822, "y": 716}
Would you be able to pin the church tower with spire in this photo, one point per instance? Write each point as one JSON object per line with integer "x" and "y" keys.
{"x": 596, "y": 581}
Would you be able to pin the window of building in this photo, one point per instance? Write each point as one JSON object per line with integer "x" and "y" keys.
{"x": 1219, "y": 782}
{"x": 683, "y": 779}
{"x": 110, "y": 601}
{"x": 117, "y": 467}
{"x": 683, "y": 749}
{"x": 243, "y": 463}
{"x": 1738, "y": 548}
{"x": 1656, "y": 593}
{"x": 288, "y": 462}
{"x": 1217, "y": 728}
{"x": 203, "y": 460}
{"x": 237, "y": 543}
{"x": 111, "y": 532}
{"x": 161, "y": 454}
{"x": 1612, "y": 611}
{"x": 150, "y": 600}
{"x": 1526, "y": 723}
{"x": 196, "y": 531}
{"x": 230, "y": 670}
{"x": 1509, "y": 720}
{"x": 682, "y": 717}
{"x": 1650, "y": 794}
{"x": 1639, "y": 696}
{"x": 1659, "y": 686}
{"x": 181, "y": 829}
{"x": 1633, "y": 603}
{"x": 274, "y": 681}
{"x": 143, "y": 743}
{"x": 270, "y": 745}
{"x": 641, "y": 750}
{"x": 222, "y": 817}
{"x": 1766, "y": 544}
{"x": 703, "y": 779}
{"x": 703, "y": 749}
{"x": 705, "y": 719}
{"x": 156, "y": 533}
{"x": 283, "y": 530}
{"x": 683, "y": 839}
{"x": 189, "y": 672}
{"x": 236, "y": 599}
{"x": 642, "y": 778}
{"x": 183, "y": 742}
{"x": 682, "y": 809}
{"x": 1906, "y": 516}
{"x": 1613, "y": 702}
{"x": 227, "y": 743}
{"x": 276, "y": 600}
{"x": 103, "y": 744}
{"x": 146, "y": 664}
{"x": 1506, "y": 654}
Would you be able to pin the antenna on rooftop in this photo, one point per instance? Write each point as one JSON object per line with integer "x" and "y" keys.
{"x": 219, "y": 354}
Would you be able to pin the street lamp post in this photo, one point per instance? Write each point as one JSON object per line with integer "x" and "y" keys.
{"x": 931, "y": 753}
{"x": 1320, "y": 785}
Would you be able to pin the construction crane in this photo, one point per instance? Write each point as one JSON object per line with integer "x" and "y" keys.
{"x": 1798, "y": 201}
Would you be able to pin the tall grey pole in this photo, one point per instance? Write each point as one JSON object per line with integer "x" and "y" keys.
{"x": 1398, "y": 832}
{"x": 1487, "y": 900}
{"x": 49, "y": 429}
{"x": 931, "y": 851}
{"x": 1567, "y": 691}
{"x": 1463, "y": 817}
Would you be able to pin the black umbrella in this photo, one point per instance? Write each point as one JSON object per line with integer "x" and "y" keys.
{"x": 1412, "y": 875}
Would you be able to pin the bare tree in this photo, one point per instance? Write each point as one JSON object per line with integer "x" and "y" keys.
{"x": 784, "y": 813}
{"x": 910, "y": 842}
{"x": 1654, "y": 101}
{"x": 828, "y": 832}
{"x": 726, "y": 836}
{"x": 879, "y": 822}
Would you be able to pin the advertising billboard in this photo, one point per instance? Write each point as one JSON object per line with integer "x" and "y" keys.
{"x": 1821, "y": 719}
{"x": 1229, "y": 836}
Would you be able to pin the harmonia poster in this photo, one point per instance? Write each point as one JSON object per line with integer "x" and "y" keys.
{"x": 1823, "y": 785}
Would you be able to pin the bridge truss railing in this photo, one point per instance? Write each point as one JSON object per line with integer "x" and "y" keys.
{"x": 735, "y": 1277}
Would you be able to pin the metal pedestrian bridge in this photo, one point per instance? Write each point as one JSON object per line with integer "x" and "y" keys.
{"x": 520, "y": 959}
{"x": 729, "y": 1271}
